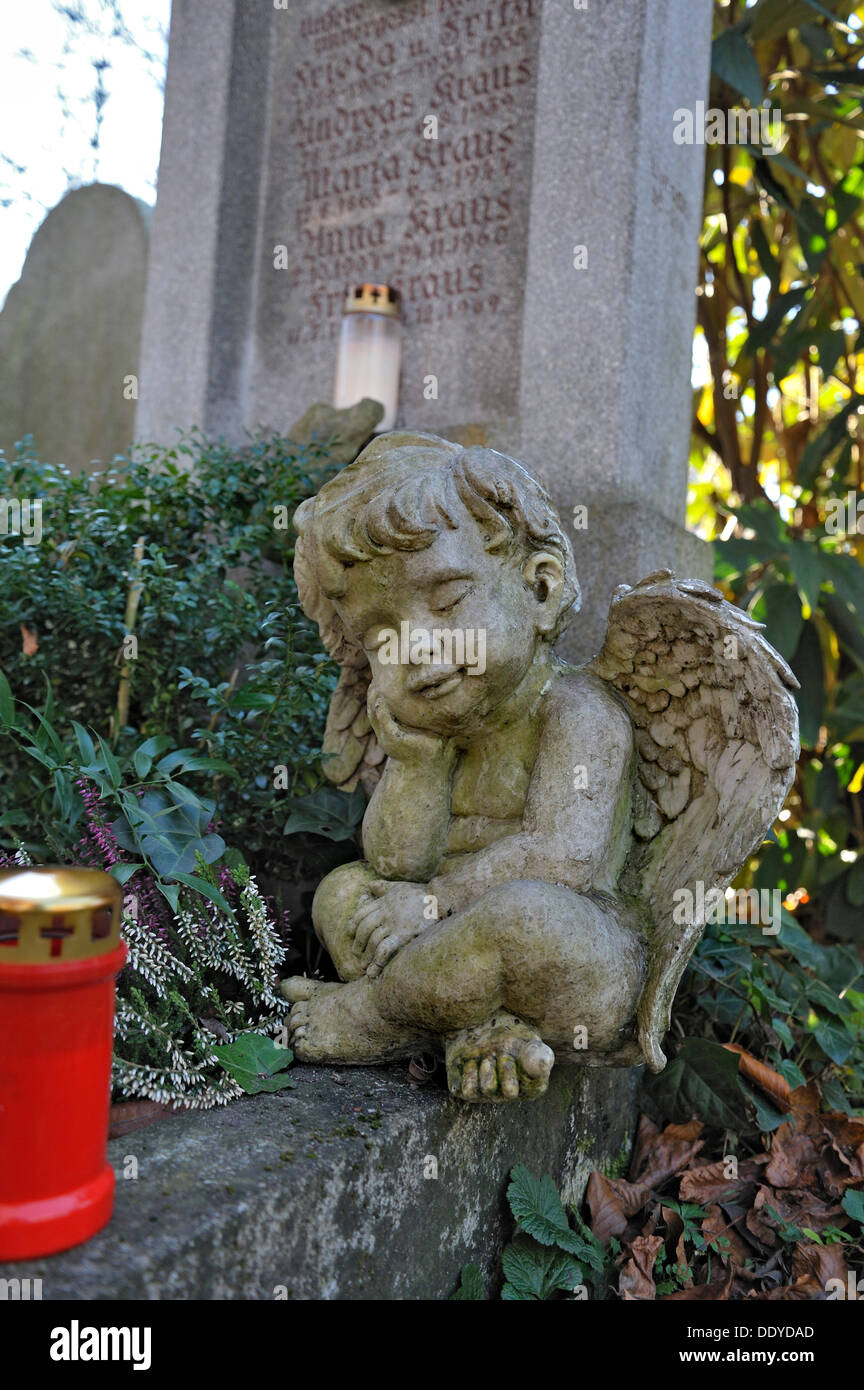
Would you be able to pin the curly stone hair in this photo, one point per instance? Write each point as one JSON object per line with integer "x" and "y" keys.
{"x": 398, "y": 495}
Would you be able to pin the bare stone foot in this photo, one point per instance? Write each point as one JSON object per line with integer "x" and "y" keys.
{"x": 340, "y": 1023}
{"x": 501, "y": 1059}
{"x": 298, "y": 987}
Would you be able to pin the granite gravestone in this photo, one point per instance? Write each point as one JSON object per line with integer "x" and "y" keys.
{"x": 510, "y": 166}
{"x": 70, "y": 331}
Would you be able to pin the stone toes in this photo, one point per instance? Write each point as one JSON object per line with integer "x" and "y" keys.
{"x": 298, "y": 987}
{"x": 536, "y": 1059}
{"x": 509, "y": 1076}
{"x": 488, "y": 1076}
{"x": 470, "y": 1080}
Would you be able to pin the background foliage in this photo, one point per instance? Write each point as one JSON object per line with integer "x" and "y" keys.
{"x": 776, "y": 453}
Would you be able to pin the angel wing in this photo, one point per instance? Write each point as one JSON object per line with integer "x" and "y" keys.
{"x": 351, "y": 753}
{"x": 717, "y": 741}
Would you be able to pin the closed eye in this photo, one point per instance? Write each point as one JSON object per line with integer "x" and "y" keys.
{"x": 451, "y": 595}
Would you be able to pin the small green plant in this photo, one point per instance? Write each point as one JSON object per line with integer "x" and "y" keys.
{"x": 548, "y": 1257}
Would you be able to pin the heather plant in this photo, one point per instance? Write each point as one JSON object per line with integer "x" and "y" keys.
{"x": 204, "y": 946}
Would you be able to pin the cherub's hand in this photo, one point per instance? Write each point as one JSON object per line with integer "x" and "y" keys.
{"x": 390, "y": 916}
{"x": 413, "y": 746}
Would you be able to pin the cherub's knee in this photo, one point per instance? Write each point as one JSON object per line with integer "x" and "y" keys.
{"x": 337, "y": 898}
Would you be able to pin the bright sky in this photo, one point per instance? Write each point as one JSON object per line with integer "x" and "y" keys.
{"x": 48, "y": 116}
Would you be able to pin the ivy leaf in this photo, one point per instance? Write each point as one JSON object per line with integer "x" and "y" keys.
{"x": 471, "y": 1286}
{"x": 703, "y": 1081}
{"x": 254, "y": 1060}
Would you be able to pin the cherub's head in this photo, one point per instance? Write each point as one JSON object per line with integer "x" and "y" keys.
{"x": 425, "y": 533}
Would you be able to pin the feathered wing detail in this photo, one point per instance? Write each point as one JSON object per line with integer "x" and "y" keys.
{"x": 351, "y": 753}
{"x": 717, "y": 741}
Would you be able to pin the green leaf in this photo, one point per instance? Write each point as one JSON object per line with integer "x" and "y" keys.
{"x": 733, "y": 60}
{"x": 783, "y": 618}
{"x": 783, "y": 1031}
{"x": 767, "y": 260}
{"x": 702, "y": 1080}
{"x": 537, "y": 1207}
{"x": 326, "y": 811}
{"x": 471, "y": 1286}
{"x": 254, "y": 1062}
{"x": 111, "y": 764}
{"x": 123, "y": 872}
{"x": 200, "y": 885}
{"x": 85, "y": 743}
{"x": 853, "y": 1204}
{"x": 835, "y": 1041}
{"x": 7, "y": 703}
{"x": 767, "y": 1118}
{"x": 820, "y": 446}
{"x": 808, "y": 666}
{"x": 150, "y": 749}
{"x": 534, "y": 1273}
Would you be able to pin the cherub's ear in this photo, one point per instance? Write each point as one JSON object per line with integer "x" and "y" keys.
{"x": 544, "y": 574}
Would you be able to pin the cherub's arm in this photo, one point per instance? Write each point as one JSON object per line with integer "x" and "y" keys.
{"x": 574, "y": 828}
{"x": 407, "y": 821}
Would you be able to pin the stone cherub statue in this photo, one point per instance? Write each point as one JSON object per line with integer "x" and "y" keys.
{"x": 532, "y": 827}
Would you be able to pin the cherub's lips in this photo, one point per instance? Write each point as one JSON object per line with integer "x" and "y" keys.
{"x": 435, "y": 687}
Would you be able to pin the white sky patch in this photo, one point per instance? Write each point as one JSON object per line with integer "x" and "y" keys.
{"x": 48, "y": 118}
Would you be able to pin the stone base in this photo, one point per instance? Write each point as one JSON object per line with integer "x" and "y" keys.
{"x": 325, "y": 1191}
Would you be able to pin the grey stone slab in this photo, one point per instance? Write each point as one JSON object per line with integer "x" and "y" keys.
{"x": 320, "y": 1192}
{"x": 70, "y": 330}
{"x": 303, "y": 128}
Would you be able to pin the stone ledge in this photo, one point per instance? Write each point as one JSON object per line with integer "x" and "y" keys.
{"x": 321, "y": 1189}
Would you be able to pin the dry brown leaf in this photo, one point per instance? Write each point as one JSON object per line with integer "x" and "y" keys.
{"x": 821, "y": 1262}
{"x": 135, "y": 1114}
{"x": 636, "y": 1280}
{"x": 799, "y": 1208}
{"x": 661, "y": 1156}
{"x": 793, "y": 1159}
{"x": 708, "y": 1182}
{"x": 803, "y": 1290}
{"x": 765, "y": 1077}
{"x": 607, "y": 1217}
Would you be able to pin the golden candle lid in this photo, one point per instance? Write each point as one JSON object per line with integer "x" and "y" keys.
{"x": 373, "y": 299}
{"x": 56, "y": 914}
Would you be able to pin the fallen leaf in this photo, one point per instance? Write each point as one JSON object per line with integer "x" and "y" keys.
{"x": 135, "y": 1114}
{"x": 636, "y": 1280}
{"x": 821, "y": 1262}
{"x": 765, "y": 1077}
